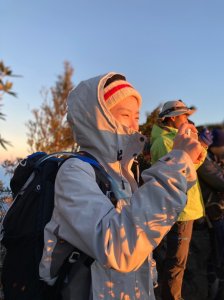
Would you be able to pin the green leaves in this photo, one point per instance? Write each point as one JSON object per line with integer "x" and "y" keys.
{"x": 47, "y": 130}
{"x": 6, "y": 85}
{"x": 5, "y": 88}
{"x": 3, "y": 143}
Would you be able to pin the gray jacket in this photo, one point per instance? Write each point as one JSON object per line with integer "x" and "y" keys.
{"x": 121, "y": 239}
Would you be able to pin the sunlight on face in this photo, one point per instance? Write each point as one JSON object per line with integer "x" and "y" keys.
{"x": 179, "y": 120}
{"x": 127, "y": 112}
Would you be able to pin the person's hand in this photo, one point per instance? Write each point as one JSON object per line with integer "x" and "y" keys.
{"x": 184, "y": 141}
{"x": 205, "y": 137}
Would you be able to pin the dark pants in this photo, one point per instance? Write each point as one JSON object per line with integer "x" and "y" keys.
{"x": 195, "y": 282}
{"x": 216, "y": 261}
{"x": 178, "y": 241}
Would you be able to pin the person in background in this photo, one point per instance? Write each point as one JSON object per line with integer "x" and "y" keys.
{"x": 211, "y": 178}
{"x": 141, "y": 162}
{"x": 171, "y": 255}
{"x": 195, "y": 282}
{"x": 104, "y": 115}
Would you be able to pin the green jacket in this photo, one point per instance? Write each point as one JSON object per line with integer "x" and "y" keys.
{"x": 161, "y": 144}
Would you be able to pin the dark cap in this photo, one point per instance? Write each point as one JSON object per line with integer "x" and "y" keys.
{"x": 218, "y": 137}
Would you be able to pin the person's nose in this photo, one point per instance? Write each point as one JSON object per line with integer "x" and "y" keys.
{"x": 134, "y": 124}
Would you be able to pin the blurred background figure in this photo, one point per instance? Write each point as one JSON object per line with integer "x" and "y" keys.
{"x": 195, "y": 283}
{"x": 172, "y": 253}
{"x": 141, "y": 163}
{"x": 211, "y": 178}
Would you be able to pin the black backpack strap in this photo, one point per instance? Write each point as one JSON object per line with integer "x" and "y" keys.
{"x": 102, "y": 177}
{"x": 75, "y": 257}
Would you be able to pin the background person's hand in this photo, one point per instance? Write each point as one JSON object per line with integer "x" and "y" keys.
{"x": 205, "y": 137}
{"x": 184, "y": 141}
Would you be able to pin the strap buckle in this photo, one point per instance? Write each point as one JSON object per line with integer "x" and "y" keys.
{"x": 74, "y": 257}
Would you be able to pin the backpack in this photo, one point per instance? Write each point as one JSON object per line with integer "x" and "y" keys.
{"x": 32, "y": 186}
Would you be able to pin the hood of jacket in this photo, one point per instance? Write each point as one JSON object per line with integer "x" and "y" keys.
{"x": 97, "y": 131}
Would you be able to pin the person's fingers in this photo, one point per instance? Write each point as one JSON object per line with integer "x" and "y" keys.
{"x": 193, "y": 128}
{"x": 183, "y": 128}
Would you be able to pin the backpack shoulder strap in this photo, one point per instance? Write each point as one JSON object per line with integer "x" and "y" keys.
{"x": 103, "y": 179}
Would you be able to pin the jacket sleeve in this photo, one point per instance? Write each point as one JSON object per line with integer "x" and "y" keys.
{"x": 85, "y": 217}
{"x": 212, "y": 174}
{"x": 204, "y": 153}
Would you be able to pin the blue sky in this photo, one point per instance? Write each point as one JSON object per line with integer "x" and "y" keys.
{"x": 167, "y": 49}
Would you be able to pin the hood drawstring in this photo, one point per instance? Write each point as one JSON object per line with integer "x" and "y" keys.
{"x": 119, "y": 158}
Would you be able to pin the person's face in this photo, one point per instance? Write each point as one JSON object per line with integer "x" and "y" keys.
{"x": 127, "y": 112}
{"x": 177, "y": 121}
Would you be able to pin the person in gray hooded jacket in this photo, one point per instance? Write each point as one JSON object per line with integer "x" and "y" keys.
{"x": 104, "y": 115}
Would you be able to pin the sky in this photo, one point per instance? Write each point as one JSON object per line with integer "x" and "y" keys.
{"x": 168, "y": 49}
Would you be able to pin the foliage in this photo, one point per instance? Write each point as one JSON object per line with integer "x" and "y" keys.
{"x": 5, "y": 87}
{"x": 151, "y": 119}
{"x": 9, "y": 166}
{"x": 1, "y": 186}
{"x": 5, "y": 193}
{"x": 4, "y": 142}
{"x": 49, "y": 131}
